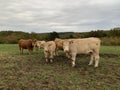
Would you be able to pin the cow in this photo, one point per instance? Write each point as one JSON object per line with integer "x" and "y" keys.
{"x": 39, "y": 44}
{"x": 26, "y": 44}
{"x": 59, "y": 44}
{"x": 83, "y": 46}
{"x": 49, "y": 50}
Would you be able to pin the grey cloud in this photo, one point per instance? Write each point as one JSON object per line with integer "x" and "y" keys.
{"x": 59, "y": 15}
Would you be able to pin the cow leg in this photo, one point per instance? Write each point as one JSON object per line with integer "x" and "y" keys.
{"x": 46, "y": 56}
{"x": 56, "y": 52}
{"x": 51, "y": 56}
{"x": 91, "y": 60}
{"x": 21, "y": 50}
{"x": 96, "y": 60}
{"x": 51, "y": 60}
{"x": 73, "y": 59}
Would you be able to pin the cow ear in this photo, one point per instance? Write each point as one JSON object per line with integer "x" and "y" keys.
{"x": 35, "y": 40}
{"x": 71, "y": 41}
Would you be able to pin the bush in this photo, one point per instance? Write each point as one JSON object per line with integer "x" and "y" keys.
{"x": 110, "y": 41}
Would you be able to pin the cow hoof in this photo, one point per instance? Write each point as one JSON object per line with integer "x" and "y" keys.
{"x": 89, "y": 64}
{"x": 51, "y": 61}
{"x": 46, "y": 60}
{"x": 95, "y": 66}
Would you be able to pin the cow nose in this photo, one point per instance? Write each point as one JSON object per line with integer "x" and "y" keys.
{"x": 66, "y": 50}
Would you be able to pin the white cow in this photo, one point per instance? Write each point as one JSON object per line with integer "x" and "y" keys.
{"x": 49, "y": 50}
{"x": 83, "y": 46}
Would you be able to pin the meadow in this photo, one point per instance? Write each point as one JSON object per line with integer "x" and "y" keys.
{"x": 31, "y": 72}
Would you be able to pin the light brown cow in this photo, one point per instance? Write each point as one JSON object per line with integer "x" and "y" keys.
{"x": 59, "y": 44}
{"x": 83, "y": 46}
{"x": 49, "y": 50}
{"x": 26, "y": 44}
{"x": 39, "y": 44}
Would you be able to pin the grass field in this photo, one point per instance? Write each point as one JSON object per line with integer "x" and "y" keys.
{"x": 31, "y": 72}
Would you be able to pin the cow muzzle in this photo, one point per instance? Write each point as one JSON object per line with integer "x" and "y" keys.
{"x": 66, "y": 51}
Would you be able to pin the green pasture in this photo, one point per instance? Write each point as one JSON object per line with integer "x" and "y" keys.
{"x": 31, "y": 72}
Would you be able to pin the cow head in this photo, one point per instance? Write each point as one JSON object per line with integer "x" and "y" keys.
{"x": 66, "y": 44}
{"x": 34, "y": 42}
{"x": 42, "y": 44}
{"x": 46, "y": 47}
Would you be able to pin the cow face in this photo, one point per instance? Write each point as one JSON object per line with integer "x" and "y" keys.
{"x": 37, "y": 44}
{"x": 46, "y": 47}
{"x": 34, "y": 42}
{"x": 66, "y": 46}
{"x": 42, "y": 44}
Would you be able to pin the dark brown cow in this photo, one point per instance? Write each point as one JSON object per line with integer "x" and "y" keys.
{"x": 26, "y": 44}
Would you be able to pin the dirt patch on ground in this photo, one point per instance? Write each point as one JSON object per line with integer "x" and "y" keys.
{"x": 102, "y": 55}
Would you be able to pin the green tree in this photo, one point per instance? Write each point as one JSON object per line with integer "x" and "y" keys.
{"x": 53, "y": 35}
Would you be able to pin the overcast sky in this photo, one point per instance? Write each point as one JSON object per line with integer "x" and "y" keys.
{"x": 59, "y": 15}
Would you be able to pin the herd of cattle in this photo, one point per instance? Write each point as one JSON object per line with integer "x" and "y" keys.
{"x": 71, "y": 47}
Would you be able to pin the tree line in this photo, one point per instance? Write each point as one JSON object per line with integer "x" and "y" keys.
{"x": 108, "y": 37}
